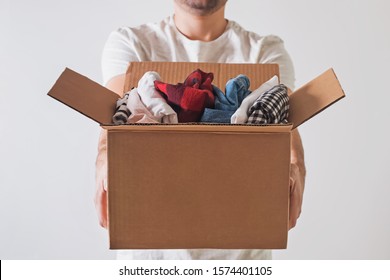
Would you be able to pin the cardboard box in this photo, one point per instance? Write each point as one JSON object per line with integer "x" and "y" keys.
{"x": 197, "y": 185}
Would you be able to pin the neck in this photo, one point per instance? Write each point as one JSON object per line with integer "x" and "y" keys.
{"x": 203, "y": 28}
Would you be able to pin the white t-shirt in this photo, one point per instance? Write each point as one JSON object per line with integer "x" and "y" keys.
{"x": 163, "y": 42}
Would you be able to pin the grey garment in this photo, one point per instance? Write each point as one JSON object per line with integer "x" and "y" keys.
{"x": 272, "y": 107}
{"x": 216, "y": 116}
{"x": 122, "y": 113}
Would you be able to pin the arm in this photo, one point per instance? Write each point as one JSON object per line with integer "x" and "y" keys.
{"x": 116, "y": 84}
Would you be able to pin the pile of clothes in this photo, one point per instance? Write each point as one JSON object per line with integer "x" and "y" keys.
{"x": 198, "y": 100}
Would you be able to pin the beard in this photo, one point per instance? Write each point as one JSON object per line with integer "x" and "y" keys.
{"x": 201, "y": 7}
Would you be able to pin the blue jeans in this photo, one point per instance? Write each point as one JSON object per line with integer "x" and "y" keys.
{"x": 216, "y": 116}
{"x": 236, "y": 90}
{"x": 226, "y": 104}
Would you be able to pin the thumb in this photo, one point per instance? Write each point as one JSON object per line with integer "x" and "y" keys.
{"x": 105, "y": 184}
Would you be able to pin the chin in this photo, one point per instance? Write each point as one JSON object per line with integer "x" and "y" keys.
{"x": 201, "y": 7}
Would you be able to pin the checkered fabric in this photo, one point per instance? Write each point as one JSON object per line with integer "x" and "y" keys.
{"x": 271, "y": 107}
{"x": 122, "y": 113}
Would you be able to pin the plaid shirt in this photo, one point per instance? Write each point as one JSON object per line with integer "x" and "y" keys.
{"x": 122, "y": 113}
{"x": 271, "y": 107}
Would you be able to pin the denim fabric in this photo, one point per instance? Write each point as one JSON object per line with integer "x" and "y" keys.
{"x": 241, "y": 115}
{"x": 216, "y": 116}
{"x": 236, "y": 90}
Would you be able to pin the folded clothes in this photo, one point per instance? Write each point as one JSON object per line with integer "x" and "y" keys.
{"x": 139, "y": 113}
{"x": 241, "y": 115}
{"x": 271, "y": 107}
{"x": 216, "y": 116}
{"x": 122, "y": 113}
{"x": 153, "y": 100}
{"x": 189, "y": 99}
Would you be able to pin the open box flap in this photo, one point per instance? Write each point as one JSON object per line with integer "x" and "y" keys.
{"x": 314, "y": 97}
{"x": 98, "y": 103}
{"x": 85, "y": 96}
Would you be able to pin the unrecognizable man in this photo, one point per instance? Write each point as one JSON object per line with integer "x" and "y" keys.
{"x": 197, "y": 32}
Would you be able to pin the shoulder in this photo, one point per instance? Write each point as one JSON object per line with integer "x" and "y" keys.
{"x": 255, "y": 38}
{"x": 141, "y": 31}
{"x": 268, "y": 49}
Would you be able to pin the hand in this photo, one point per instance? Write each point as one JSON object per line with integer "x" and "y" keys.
{"x": 101, "y": 180}
{"x": 297, "y": 184}
{"x": 101, "y": 201}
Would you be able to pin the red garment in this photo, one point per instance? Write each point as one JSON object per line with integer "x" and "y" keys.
{"x": 189, "y": 99}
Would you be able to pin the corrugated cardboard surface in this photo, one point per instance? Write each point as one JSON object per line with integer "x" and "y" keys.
{"x": 198, "y": 189}
{"x": 177, "y": 72}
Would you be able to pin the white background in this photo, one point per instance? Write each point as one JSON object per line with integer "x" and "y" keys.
{"x": 47, "y": 151}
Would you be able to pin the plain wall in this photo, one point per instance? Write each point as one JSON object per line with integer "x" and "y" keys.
{"x": 47, "y": 151}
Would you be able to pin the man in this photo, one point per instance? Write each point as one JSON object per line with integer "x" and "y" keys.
{"x": 198, "y": 32}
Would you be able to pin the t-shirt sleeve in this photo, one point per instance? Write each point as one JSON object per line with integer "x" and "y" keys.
{"x": 120, "y": 49}
{"x": 275, "y": 52}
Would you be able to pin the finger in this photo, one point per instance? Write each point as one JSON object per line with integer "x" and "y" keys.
{"x": 292, "y": 185}
{"x": 103, "y": 210}
{"x": 105, "y": 184}
{"x": 292, "y": 217}
{"x": 101, "y": 206}
{"x": 295, "y": 207}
